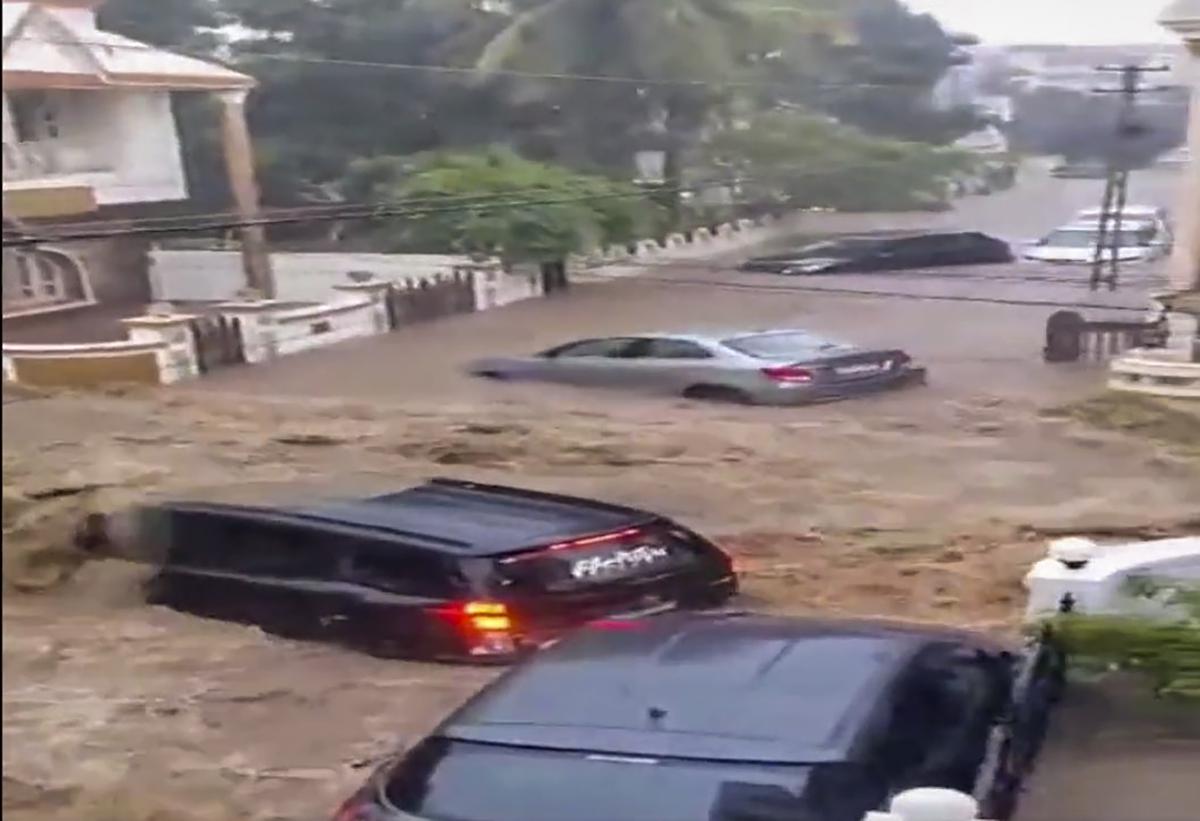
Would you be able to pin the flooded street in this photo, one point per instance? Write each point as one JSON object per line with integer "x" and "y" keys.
{"x": 927, "y": 504}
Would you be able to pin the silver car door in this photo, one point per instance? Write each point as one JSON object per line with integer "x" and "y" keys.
{"x": 666, "y": 364}
{"x": 589, "y": 362}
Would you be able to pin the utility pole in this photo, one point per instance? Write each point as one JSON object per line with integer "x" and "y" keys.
{"x": 1116, "y": 185}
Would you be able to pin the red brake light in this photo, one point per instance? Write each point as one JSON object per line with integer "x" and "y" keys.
{"x": 482, "y": 616}
{"x": 607, "y": 537}
{"x": 575, "y": 543}
{"x": 788, "y": 374}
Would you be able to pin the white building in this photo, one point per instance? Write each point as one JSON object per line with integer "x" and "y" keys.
{"x": 1183, "y": 18}
{"x": 89, "y": 134}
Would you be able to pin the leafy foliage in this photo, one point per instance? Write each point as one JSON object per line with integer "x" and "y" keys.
{"x": 327, "y": 101}
{"x": 186, "y": 24}
{"x": 1168, "y": 652}
{"x": 559, "y": 211}
{"x": 809, "y": 160}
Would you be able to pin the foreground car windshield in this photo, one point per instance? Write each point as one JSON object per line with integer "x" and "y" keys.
{"x": 446, "y": 780}
{"x": 769, "y": 346}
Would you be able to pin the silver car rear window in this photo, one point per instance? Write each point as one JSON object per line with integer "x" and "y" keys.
{"x": 771, "y": 346}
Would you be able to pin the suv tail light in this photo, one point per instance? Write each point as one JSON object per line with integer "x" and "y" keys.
{"x": 487, "y": 616}
{"x": 788, "y": 375}
{"x": 487, "y": 626}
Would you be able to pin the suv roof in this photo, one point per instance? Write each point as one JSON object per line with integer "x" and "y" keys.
{"x": 711, "y": 687}
{"x": 459, "y": 517}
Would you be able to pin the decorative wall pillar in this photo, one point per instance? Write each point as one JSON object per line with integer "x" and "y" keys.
{"x": 239, "y": 164}
{"x": 376, "y": 291}
{"x": 177, "y": 357}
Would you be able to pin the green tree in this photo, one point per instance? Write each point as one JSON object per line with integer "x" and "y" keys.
{"x": 324, "y": 100}
{"x": 706, "y": 42}
{"x": 880, "y": 77}
{"x": 180, "y": 24}
{"x": 806, "y": 159}
{"x": 497, "y": 203}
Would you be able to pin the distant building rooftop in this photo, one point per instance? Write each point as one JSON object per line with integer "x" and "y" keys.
{"x": 56, "y": 44}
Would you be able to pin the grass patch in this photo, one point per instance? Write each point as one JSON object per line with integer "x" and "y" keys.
{"x": 26, "y": 802}
{"x": 1175, "y": 424}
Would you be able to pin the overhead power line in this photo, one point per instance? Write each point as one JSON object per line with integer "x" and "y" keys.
{"x": 342, "y": 210}
{"x": 1019, "y": 273}
{"x": 361, "y": 212}
{"x": 64, "y": 232}
{"x": 879, "y": 294}
{"x": 476, "y": 71}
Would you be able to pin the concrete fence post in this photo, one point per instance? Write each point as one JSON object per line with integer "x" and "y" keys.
{"x": 260, "y": 337}
{"x": 376, "y": 291}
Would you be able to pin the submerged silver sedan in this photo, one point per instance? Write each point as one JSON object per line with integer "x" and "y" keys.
{"x": 779, "y": 367}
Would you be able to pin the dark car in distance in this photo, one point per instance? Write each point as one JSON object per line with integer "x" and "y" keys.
{"x": 448, "y": 569}
{"x": 888, "y": 252}
{"x": 1080, "y": 170}
{"x": 730, "y": 717}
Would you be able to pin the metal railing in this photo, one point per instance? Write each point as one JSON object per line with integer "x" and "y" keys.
{"x": 1071, "y": 338}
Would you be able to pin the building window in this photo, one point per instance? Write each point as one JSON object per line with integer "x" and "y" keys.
{"x": 35, "y": 116}
{"x": 31, "y": 280}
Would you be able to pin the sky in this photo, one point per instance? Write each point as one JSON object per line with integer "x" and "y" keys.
{"x": 1075, "y": 22}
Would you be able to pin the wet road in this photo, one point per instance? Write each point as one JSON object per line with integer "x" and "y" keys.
{"x": 975, "y": 326}
{"x": 1100, "y": 766}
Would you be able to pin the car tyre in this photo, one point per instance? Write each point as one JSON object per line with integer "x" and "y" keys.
{"x": 718, "y": 393}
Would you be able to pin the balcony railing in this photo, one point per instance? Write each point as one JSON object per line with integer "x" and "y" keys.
{"x": 46, "y": 158}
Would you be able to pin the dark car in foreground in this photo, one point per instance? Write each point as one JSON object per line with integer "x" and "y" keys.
{"x": 730, "y": 717}
{"x": 448, "y": 569}
{"x": 864, "y": 254}
{"x": 770, "y": 367}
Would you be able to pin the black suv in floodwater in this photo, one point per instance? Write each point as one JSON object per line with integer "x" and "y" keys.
{"x": 445, "y": 570}
{"x": 731, "y": 717}
{"x": 867, "y": 253}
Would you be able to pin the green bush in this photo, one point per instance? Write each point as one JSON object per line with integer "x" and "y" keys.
{"x": 1166, "y": 651}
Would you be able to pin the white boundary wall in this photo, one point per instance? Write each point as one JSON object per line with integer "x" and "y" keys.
{"x": 1095, "y": 575}
{"x": 217, "y": 276}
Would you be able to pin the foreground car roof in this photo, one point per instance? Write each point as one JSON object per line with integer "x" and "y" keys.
{"x": 711, "y": 687}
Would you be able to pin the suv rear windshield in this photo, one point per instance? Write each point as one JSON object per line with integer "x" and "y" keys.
{"x": 625, "y": 555}
{"x": 445, "y": 780}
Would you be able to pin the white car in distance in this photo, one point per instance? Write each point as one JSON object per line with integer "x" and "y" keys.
{"x": 1145, "y": 236}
